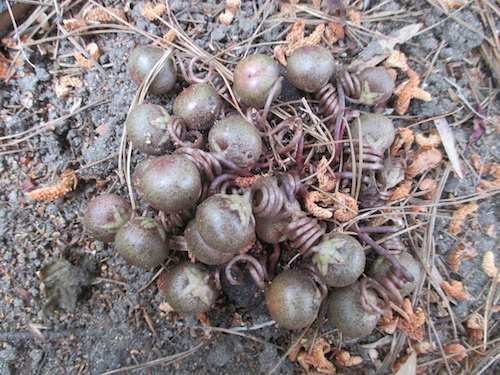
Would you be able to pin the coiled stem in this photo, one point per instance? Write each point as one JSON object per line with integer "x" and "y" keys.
{"x": 257, "y": 271}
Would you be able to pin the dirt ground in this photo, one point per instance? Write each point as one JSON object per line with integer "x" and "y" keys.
{"x": 109, "y": 317}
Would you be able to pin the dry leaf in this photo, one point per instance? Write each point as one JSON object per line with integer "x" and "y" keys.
{"x": 378, "y": 50}
{"x": 460, "y": 215}
{"x": 455, "y": 348}
{"x": 460, "y": 253}
{"x": 449, "y": 145}
{"x": 489, "y": 267}
{"x": 424, "y": 161}
{"x": 409, "y": 367}
{"x": 4, "y": 66}
{"x": 316, "y": 358}
{"x": 455, "y": 289}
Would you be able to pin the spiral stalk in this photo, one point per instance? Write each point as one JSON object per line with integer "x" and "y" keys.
{"x": 330, "y": 102}
{"x": 177, "y": 130}
{"x": 170, "y": 221}
{"x": 189, "y": 74}
{"x": 350, "y": 83}
{"x": 254, "y": 267}
{"x": 303, "y": 232}
{"x": 268, "y": 199}
{"x": 371, "y": 159}
{"x": 388, "y": 288}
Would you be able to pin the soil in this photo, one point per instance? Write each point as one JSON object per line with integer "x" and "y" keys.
{"x": 108, "y": 315}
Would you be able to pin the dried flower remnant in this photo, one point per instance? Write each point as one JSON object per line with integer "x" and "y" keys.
{"x": 460, "y": 215}
{"x": 475, "y": 327}
{"x": 404, "y": 140}
{"x": 345, "y": 359}
{"x": 431, "y": 141}
{"x": 413, "y": 320}
{"x": 402, "y": 191}
{"x": 73, "y": 23}
{"x": 93, "y": 51}
{"x": 152, "y": 12}
{"x": 409, "y": 89}
{"x": 296, "y": 39}
{"x": 97, "y": 14}
{"x": 489, "y": 267}
{"x": 460, "y": 253}
{"x": 66, "y": 84}
{"x": 63, "y": 186}
{"x": 455, "y": 289}
{"x": 334, "y": 32}
{"x": 246, "y": 182}
{"x": 316, "y": 358}
{"x": 227, "y": 17}
{"x": 459, "y": 349}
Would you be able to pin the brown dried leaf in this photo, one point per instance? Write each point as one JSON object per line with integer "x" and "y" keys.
{"x": 424, "y": 161}
{"x": 455, "y": 289}
{"x": 455, "y": 348}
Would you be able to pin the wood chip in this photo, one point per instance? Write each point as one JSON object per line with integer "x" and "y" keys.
{"x": 449, "y": 145}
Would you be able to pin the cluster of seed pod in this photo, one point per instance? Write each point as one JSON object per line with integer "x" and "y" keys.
{"x": 233, "y": 187}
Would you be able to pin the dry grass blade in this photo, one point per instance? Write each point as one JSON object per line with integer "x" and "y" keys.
{"x": 157, "y": 362}
{"x": 449, "y": 145}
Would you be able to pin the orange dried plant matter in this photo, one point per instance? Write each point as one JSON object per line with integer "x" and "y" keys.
{"x": 316, "y": 359}
{"x": 57, "y": 189}
{"x": 489, "y": 267}
{"x": 455, "y": 289}
{"x": 460, "y": 215}
{"x": 455, "y": 348}
{"x": 413, "y": 320}
{"x": 409, "y": 89}
{"x": 460, "y": 253}
{"x": 152, "y": 12}
{"x": 345, "y": 359}
{"x": 296, "y": 39}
